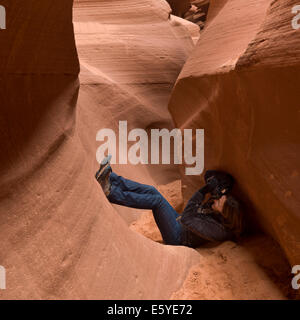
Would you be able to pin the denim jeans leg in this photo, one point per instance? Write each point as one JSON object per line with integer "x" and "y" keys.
{"x": 129, "y": 185}
{"x": 135, "y": 195}
{"x": 165, "y": 217}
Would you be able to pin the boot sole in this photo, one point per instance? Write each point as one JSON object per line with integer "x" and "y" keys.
{"x": 104, "y": 163}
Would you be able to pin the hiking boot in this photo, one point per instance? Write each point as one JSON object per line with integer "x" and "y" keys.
{"x": 103, "y": 180}
{"x": 104, "y": 164}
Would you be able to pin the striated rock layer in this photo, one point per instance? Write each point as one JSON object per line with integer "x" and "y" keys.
{"x": 130, "y": 56}
{"x": 198, "y": 12}
{"x": 241, "y": 84}
{"x": 60, "y": 237}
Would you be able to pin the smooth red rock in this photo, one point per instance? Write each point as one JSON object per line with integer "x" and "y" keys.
{"x": 241, "y": 84}
{"x": 60, "y": 238}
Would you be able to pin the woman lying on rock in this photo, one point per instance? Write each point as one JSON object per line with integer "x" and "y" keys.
{"x": 211, "y": 215}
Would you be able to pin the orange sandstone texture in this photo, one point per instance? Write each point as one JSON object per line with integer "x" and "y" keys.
{"x": 60, "y": 238}
{"x": 131, "y": 54}
{"x": 254, "y": 269}
{"x": 241, "y": 84}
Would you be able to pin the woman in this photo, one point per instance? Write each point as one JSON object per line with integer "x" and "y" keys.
{"x": 212, "y": 214}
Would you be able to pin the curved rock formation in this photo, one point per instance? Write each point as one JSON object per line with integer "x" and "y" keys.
{"x": 241, "y": 85}
{"x": 60, "y": 237}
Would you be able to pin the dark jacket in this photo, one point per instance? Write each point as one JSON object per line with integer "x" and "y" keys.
{"x": 202, "y": 224}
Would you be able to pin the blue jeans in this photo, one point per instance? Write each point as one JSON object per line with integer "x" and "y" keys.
{"x": 132, "y": 194}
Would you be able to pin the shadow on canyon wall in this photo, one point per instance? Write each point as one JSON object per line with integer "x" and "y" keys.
{"x": 60, "y": 237}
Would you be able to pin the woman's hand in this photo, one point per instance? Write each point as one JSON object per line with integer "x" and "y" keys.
{"x": 219, "y": 204}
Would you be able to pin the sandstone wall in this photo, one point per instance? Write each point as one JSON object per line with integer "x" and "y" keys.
{"x": 241, "y": 84}
{"x": 59, "y": 236}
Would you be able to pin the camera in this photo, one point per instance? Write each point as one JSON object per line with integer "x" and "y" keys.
{"x": 219, "y": 183}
